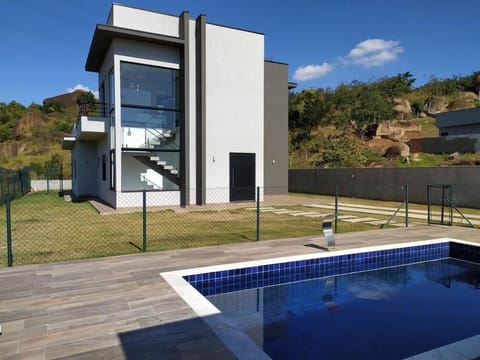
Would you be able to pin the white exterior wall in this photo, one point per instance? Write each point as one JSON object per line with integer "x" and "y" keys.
{"x": 154, "y": 198}
{"x": 234, "y": 104}
{"x": 193, "y": 115}
{"x": 143, "y": 20}
{"x": 84, "y": 165}
{"x": 104, "y": 146}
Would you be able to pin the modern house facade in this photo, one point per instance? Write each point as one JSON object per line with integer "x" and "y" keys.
{"x": 190, "y": 112}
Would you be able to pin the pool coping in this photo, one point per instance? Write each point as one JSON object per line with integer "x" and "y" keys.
{"x": 226, "y": 330}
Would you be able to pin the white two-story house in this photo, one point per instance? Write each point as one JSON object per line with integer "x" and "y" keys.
{"x": 190, "y": 112}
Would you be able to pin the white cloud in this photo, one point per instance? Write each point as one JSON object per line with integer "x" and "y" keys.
{"x": 373, "y": 52}
{"x": 84, "y": 88}
{"x": 310, "y": 72}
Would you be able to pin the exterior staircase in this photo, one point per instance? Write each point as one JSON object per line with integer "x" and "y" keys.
{"x": 144, "y": 178}
{"x": 160, "y": 166}
{"x": 163, "y": 137}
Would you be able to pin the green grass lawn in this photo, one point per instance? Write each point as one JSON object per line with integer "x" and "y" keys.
{"x": 45, "y": 228}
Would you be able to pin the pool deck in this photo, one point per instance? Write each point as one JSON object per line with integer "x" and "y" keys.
{"x": 121, "y": 308}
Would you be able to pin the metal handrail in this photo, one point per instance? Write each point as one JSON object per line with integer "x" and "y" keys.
{"x": 93, "y": 109}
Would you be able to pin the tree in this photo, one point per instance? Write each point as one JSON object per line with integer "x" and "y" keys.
{"x": 393, "y": 87}
{"x": 10, "y": 114}
{"x": 343, "y": 151}
{"x": 307, "y": 109}
{"x": 369, "y": 106}
{"x": 417, "y": 106}
{"x": 87, "y": 102}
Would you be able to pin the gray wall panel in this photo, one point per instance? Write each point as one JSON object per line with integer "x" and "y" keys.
{"x": 386, "y": 183}
{"x": 276, "y": 128}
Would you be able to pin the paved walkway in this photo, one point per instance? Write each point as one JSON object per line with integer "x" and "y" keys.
{"x": 121, "y": 308}
{"x": 348, "y": 218}
{"x": 383, "y": 211}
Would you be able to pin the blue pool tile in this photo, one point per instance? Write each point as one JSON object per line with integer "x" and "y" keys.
{"x": 265, "y": 275}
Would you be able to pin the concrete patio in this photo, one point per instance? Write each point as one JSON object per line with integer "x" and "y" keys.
{"x": 121, "y": 308}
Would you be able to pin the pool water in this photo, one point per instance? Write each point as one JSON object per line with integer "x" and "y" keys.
{"x": 389, "y": 313}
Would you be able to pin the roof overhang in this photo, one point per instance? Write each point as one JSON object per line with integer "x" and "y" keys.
{"x": 292, "y": 85}
{"x": 104, "y": 34}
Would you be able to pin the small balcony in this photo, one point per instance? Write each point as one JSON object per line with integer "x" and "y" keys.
{"x": 91, "y": 123}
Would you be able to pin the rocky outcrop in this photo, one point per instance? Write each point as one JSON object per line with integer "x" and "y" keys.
{"x": 388, "y": 131}
{"x": 69, "y": 99}
{"x": 435, "y": 105}
{"x": 402, "y": 106}
{"x": 378, "y": 145}
{"x": 12, "y": 148}
{"x": 398, "y": 149}
{"x": 29, "y": 121}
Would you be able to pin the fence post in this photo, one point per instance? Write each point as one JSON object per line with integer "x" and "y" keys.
{"x": 452, "y": 205}
{"x": 406, "y": 205}
{"x": 60, "y": 193}
{"x": 144, "y": 243}
{"x": 48, "y": 180}
{"x": 9, "y": 231}
{"x": 258, "y": 213}
{"x": 336, "y": 208}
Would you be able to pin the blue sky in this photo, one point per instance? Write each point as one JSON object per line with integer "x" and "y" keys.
{"x": 45, "y": 43}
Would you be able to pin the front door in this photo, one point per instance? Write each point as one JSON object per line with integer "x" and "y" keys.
{"x": 242, "y": 177}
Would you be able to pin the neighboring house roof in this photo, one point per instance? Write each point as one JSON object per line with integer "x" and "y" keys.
{"x": 458, "y": 118}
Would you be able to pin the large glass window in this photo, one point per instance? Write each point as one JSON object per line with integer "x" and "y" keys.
{"x": 150, "y": 106}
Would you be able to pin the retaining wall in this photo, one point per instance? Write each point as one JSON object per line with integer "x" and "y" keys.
{"x": 41, "y": 185}
{"x": 386, "y": 183}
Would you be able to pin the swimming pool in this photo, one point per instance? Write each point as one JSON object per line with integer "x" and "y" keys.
{"x": 273, "y": 293}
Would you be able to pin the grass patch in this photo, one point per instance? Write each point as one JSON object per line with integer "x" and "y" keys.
{"x": 45, "y": 228}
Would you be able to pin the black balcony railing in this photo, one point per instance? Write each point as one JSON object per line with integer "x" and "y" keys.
{"x": 93, "y": 109}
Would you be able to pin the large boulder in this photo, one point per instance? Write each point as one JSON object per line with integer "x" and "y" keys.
{"x": 402, "y": 106}
{"x": 398, "y": 149}
{"x": 389, "y": 131}
{"x": 379, "y": 145}
{"x": 435, "y": 104}
{"x": 477, "y": 83}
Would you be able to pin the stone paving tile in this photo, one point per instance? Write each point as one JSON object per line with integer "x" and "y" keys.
{"x": 357, "y": 220}
{"x": 76, "y": 312}
{"x": 315, "y": 215}
{"x": 343, "y": 217}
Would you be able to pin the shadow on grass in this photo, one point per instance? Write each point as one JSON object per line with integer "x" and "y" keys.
{"x": 135, "y": 246}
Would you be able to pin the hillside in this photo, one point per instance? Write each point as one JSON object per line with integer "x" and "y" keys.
{"x": 32, "y": 136}
{"x": 368, "y": 124}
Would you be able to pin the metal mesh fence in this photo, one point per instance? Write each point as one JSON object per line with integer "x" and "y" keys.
{"x": 46, "y": 227}
{"x": 14, "y": 183}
